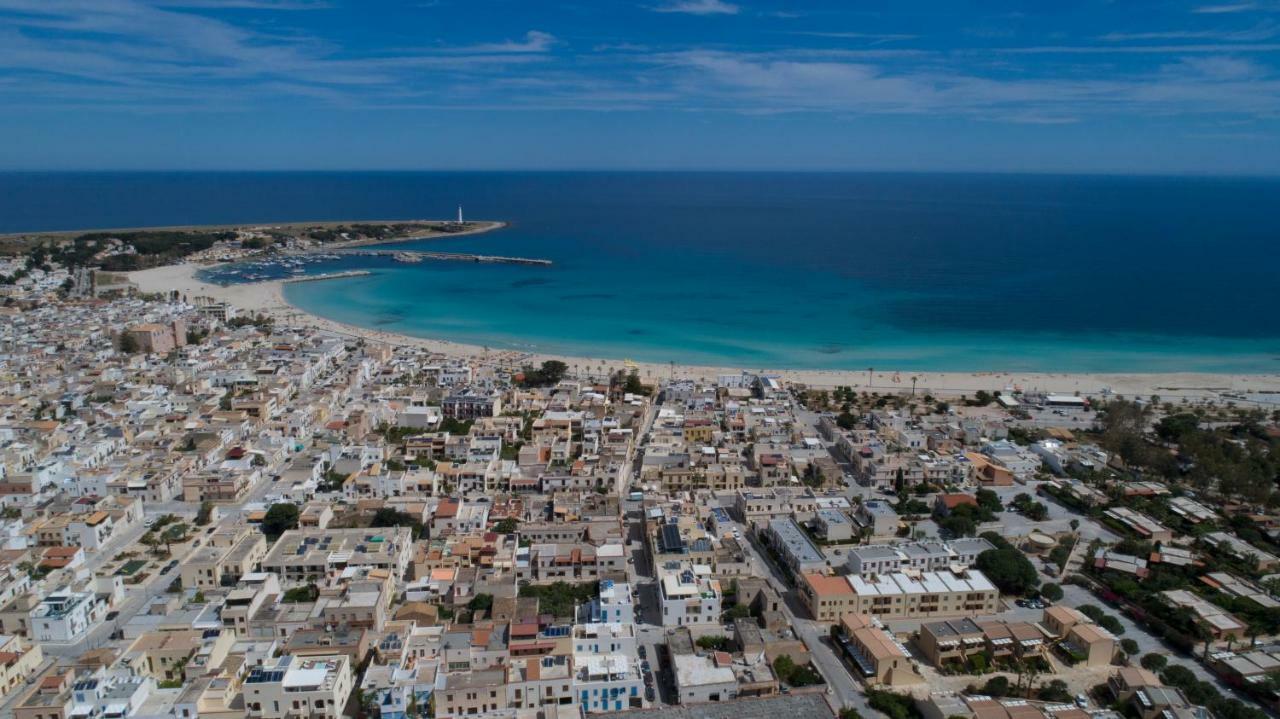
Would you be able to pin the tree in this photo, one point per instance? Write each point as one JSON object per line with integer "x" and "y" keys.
{"x": 1051, "y": 591}
{"x": 1009, "y": 569}
{"x": 481, "y": 603}
{"x": 507, "y": 526}
{"x": 989, "y": 500}
{"x": 206, "y": 510}
{"x": 128, "y": 343}
{"x": 1154, "y": 662}
{"x": 845, "y": 420}
{"x": 1054, "y": 691}
{"x": 1111, "y": 624}
{"x": 279, "y": 519}
{"x": 551, "y": 372}
{"x": 1129, "y": 646}
{"x": 634, "y": 385}
{"x": 996, "y": 686}
{"x": 716, "y": 643}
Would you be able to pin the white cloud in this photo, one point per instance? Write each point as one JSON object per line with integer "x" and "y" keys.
{"x": 872, "y": 36}
{"x": 770, "y": 83}
{"x": 1134, "y": 49}
{"x": 698, "y": 7}
{"x": 1262, "y": 31}
{"x": 534, "y": 41}
{"x": 1225, "y": 9}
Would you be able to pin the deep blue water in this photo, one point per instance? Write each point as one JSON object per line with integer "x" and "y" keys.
{"x": 906, "y": 271}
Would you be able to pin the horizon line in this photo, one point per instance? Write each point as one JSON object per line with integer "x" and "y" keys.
{"x": 1206, "y": 174}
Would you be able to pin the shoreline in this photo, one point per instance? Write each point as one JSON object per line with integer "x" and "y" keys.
{"x": 481, "y": 226}
{"x": 268, "y": 298}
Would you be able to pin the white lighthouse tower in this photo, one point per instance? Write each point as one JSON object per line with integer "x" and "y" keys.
{"x": 459, "y": 214}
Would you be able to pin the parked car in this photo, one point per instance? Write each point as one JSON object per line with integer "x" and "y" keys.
{"x": 112, "y": 615}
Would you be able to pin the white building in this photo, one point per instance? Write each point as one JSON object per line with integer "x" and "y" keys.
{"x": 299, "y": 686}
{"x": 65, "y": 616}
{"x": 613, "y": 605}
{"x": 689, "y": 595}
{"x": 610, "y": 638}
{"x": 606, "y": 682}
{"x": 700, "y": 679}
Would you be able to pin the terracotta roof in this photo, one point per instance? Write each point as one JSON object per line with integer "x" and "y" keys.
{"x": 824, "y": 586}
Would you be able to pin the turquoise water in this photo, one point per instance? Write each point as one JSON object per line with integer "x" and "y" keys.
{"x": 842, "y": 271}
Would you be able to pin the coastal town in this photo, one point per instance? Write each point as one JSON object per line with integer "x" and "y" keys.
{"x": 214, "y": 506}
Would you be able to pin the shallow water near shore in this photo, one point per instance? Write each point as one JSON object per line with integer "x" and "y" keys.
{"x": 835, "y": 271}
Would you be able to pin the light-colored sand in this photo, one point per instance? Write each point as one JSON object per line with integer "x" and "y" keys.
{"x": 267, "y": 297}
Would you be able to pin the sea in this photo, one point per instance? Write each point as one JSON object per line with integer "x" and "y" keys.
{"x": 960, "y": 272}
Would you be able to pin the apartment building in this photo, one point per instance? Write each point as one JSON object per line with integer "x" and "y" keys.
{"x": 303, "y": 555}
{"x": 826, "y": 597}
{"x": 230, "y": 554}
{"x": 921, "y": 556}
{"x": 296, "y": 686}
{"x": 905, "y": 595}
{"x": 688, "y": 594}
{"x": 65, "y": 616}
{"x": 797, "y": 551}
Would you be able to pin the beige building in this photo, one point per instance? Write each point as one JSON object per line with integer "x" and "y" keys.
{"x": 907, "y": 595}
{"x": 474, "y": 692}
{"x": 306, "y": 555}
{"x": 49, "y": 698}
{"x": 882, "y": 659}
{"x": 165, "y": 656}
{"x": 230, "y": 554}
{"x": 1081, "y": 639}
{"x": 155, "y": 338}
{"x": 826, "y": 597}
{"x": 18, "y": 662}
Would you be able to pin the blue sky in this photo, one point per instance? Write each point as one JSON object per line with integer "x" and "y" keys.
{"x": 1080, "y": 86}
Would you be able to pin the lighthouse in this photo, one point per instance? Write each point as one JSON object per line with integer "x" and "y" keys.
{"x": 459, "y": 214}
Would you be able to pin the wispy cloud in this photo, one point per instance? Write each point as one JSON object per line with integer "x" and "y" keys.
{"x": 1225, "y": 9}
{"x": 534, "y": 41}
{"x": 1134, "y": 49}
{"x": 757, "y": 83}
{"x": 873, "y": 37}
{"x": 173, "y": 57}
{"x": 698, "y": 7}
{"x": 1257, "y": 33}
{"x": 247, "y": 4}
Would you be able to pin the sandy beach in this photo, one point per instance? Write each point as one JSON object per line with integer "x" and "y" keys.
{"x": 268, "y": 298}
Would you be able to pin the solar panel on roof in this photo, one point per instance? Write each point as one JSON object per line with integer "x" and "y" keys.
{"x": 671, "y": 539}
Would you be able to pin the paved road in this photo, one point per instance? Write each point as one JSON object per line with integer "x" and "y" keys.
{"x": 626, "y": 471}
{"x": 845, "y": 691}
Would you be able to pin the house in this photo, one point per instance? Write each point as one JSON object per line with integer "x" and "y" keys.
{"x": 882, "y": 659}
